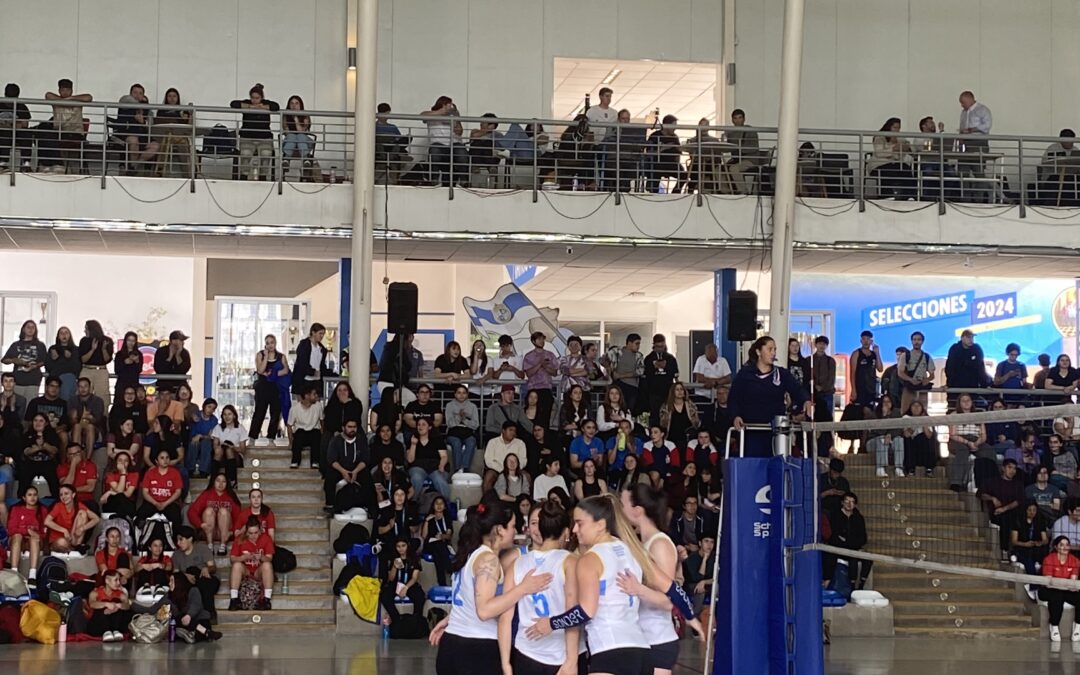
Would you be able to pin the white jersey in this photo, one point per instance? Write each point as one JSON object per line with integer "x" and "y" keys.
{"x": 655, "y": 622}
{"x": 550, "y": 649}
{"x": 464, "y": 621}
{"x": 615, "y": 624}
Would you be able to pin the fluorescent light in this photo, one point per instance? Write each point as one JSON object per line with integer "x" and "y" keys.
{"x": 611, "y": 76}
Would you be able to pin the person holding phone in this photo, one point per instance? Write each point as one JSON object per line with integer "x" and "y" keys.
{"x": 865, "y": 367}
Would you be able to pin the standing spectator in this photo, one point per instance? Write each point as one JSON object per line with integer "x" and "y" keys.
{"x": 127, "y": 365}
{"x": 298, "y": 141}
{"x": 507, "y": 365}
{"x": 757, "y": 395}
{"x": 573, "y": 367}
{"x": 1038, "y": 381}
{"x": 61, "y": 146}
{"x": 162, "y": 487}
{"x": 87, "y": 413}
{"x": 446, "y": 153}
{"x": 661, "y": 370}
{"x": 1003, "y": 499}
{"x": 27, "y": 355}
{"x": 627, "y": 365}
{"x": 1011, "y": 374}
{"x": 462, "y": 425}
{"x": 1045, "y": 494}
{"x": 864, "y": 366}
{"x": 965, "y": 367}
{"x": 1063, "y": 377}
{"x": 172, "y": 359}
{"x": 748, "y": 154}
{"x": 14, "y": 132}
{"x": 96, "y": 352}
{"x": 799, "y": 365}
{"x": 62, "y": 361}
{"x": 848, "y": 531}
{"x": 348, "y": 460}
{"x": 539, "y": 366}
{"x": 427, "y": 458}
{"x": 251, "y": 556}
{"x": 678, "y": 415}
{"x": 823, "y": 375}
{"x": 1060, "y": 563}
{"x": 916, "y": 372}
{"x": 711, "y": 371}
{"x": 271, "y": 368}
{"x": 451, "y": 367}
{"x": 975, "y": 118}
{"x": 310, "y": 366}
{"x": 305, "y": 427}
{"x": 256, "y": 139}
{"x": 833, "y": 486}
{"x": 602, "y": 115}
{"x": 507, "y": 443}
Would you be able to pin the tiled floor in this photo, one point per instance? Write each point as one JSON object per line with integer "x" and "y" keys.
{"x": 360, "y": 656}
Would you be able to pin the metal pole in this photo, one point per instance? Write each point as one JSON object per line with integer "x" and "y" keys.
{"x": 367, "y": 22}
{"x": 787, "y": 153}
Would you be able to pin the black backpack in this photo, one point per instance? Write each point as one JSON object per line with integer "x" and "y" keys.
{"x": 220, "y": 141}
{"x": 51, "y": 572}
{"x": 284, "y": 560}
{"x": 409, "y": 627}
{"x": 350, "y": 496}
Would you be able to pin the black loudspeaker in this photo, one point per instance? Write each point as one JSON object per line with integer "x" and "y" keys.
{"x": 401, "y": 308}
{"x": 742, "y": 316}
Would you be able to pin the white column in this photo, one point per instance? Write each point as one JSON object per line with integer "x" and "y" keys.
{"x": 787, "y": 153}
{"x": 367, "y": 25}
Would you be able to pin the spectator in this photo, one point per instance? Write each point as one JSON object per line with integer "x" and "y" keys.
{"x": 975, "y": 118}
{"x": 69, "y": 522}
{"x": 916, "y": 372}
{"x": 512, "y": 481}
{"x": 27, "y": 355}
{"x": 661, "y": 370}
{"x": 389, "y": 412}
{"x": 626, "y": 365}
{"x": 573, "y": 368}
{"x": 539, "y": 366}
{"x": 26, "y": 527}
{"x": 823, "y": 375}
{"x": 310, "y": 365}
{"x": 1060, "y": 563}
{"x": 110, "y": 609}
{"x": 14, "y": 132}
{"x": 748, "y": 154}
{"x": 427, "y": 459}
{"x": 251, "y": 557}
{"x": 126, "y": 440}
{"x": 81, "y": 474}
{"x": 256, "y": 139}
{"x": 478, "y": 368}
{"x": 711, "y": 371}
{"x": 611, "y": 413}
{"x": 196, "y": 560}
{"x": 665, "y": 156}
{"x": 881, "y": 441}
{"x": 833, "y": 486}
{"x": 437, "y": 533}
{"x": 162, "y": 487}
{"x": 53, "y": 407}
{"x": 586, "y": 446}
{"x": 39, "y": 456}
{"x": 549, "y": 480}
{"x": 848, "y": 531}
{"x": 201, "y": 444}
{"x": 621, "y": 153}
{"x": 176, "y": 139}
{"x": 865, "y": 365}
{"x": 192, "y": 616}
{"x": 678, "y": 415}
{"x": 385, "y": 445}
{"x": 964, "y": 440}
{"x": 172, "y": 359}
{"x": 702, "y": 451}
{"x": 603, "y": 115}
{"x": 483, "y": 141}
{"x": 920, "y": 445}
{"x": 271, "y": 369}
{"x": 573, "y": 412}
{"x": 680, "y": 485}
{"x": 1028, "y": 458}
{"x": 496, "y": 451}
{"x": 62, "y": 361}
{"x": 1028, "y": 538}
{"x": 402, "y": 580}
{"x": 661, "y": 457}
{"x": 1062, "y": 377}
{"x": 698, "y": 571}
{"x": 399, "y": 362}
{"x": 348, "y": 460}
{"x": 622, "y": 445}
{"x": 757, "y": 395}
{"x": 539, "y": 446}
{"x": 1045, "y": 494}
{"x": 127, "y": 407}
{"x": 12, "y": 404}
{"x": 505, "y": 410}
{"x": 446, "y": 155}
{"x": 133, "y": 126}
{"x": 629, "y": 475}
{"x": 1011, "y": 374}
{"x": 113, "y": 556}
{"x": 121, "y": 482}
{"x": 1038, "y": 381}
{"x": 87, "y": 415}
{"x": 1002, "y": 498}
{"x": 55, "y": 149}
{"x": 383, "y": 126}
{"x": 216, "y": 512}
{"x": 1001, "y": 435}
{"x": 1068, "y": 525}
{"x": 305, "y": 426}
{"x": 386, "y": 478}
{"x": 451, "y": 367}
{"x": 891, "y": 160}
{"x": 799, "y": 365}
{"x": 702, "y": 167}
{"x": 462, "y": 425}
{"x": 298, "y": 139}
{"x": 965, "y": 367}
{"x": 590, "y": 484}
{"x": 424, "y": 407}
{"x": 507, "y": 365}
{"x": 688, "y": 529}
{"x": 154, "y": 567}
{"x": 258, "y": 508}
{"x": 397, "y": 520}
{"x": 1061, "y": 462}
{"x": 1068, "y": 429}
{"x": 891, "y": 384}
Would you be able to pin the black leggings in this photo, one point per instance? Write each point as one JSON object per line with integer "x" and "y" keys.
{"x": 523, "y": 665}
{"x": 266, "y": 396}
{"x": 389, "y": 592}
{"x": 440, "y": 551}
{"x": 120, "y": 505}
{"x": 47, "y": 470}
{"x": 172, "y": 512}
{"x": 1055, "y": 602}
{"x": 100, "y": 622}
{"x": 468, "y": 656}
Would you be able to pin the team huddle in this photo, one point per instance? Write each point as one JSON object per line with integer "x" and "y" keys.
{"x": 593, "y": 592}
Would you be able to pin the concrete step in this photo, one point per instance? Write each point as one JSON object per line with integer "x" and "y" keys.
{"x": 941, "y": 554}
{"x": 925, "y": 621}
{"x": 292, "y": 601}
{"x": 987, "y": 633}
{"x": 893, "y": 526}
{"x": 303, "y": 574}
{"x": 950, "y": 545}
{"x": 324, "y": 617}
{"x": 291, "y": 523}
{"x": 287, "y": 535}
{"x": 952, "y": 595}
{"x": 274, "y": 629}
{"x": 887, "y": 578}
{"x": 967, "y": 608}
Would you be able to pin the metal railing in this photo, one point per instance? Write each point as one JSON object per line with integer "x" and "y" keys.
{"x": 536, "y": 155}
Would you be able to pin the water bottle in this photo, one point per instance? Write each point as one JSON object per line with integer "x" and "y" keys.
{"x": 285, "y": 584}
{"x": 386, "y": 628}
{"x": 62, "y": 636}
{"x": 172, "y": 630}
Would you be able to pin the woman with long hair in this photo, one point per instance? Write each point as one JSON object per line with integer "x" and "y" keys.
{"x": 154, "y": 567}
{"x": 920, "y": 446}
{"x": 881, "y": 441}
{"x": 40, "y": 450}
{"x": 127, "y": 406}
{"x": 451, "y": 367}
{"x": 230, "y": 444}
{"x": 611, "y": 412}
{"x": 533, "y": 410}
{"x": 121, "y": 483}
{"x": 964, "y": 440}
{"x": 297, "y": 143}
{"x": 470, "y": 644}
{"x": 271, "y": 367}
{"x": 446, "y": 152}
{"x": 341, "y": 406}
{"x": 678, "y": 415}
{"x": 110, "y": 609}
{"x": 631, "y": 474}
{"x": 462, "y": 425}
{"x": 113, "y": 556}
{"x": 127, "y": 364}
{"x": 26, "y": 528}
{"x": 176, "y": 145}
{"x": 478, "y": 368}
{"x": 512, "y": 481}
{"x": 387, "y": 411}
{"x": 396, "y": 521}
{"x": 402, "y": 579}
{"x": 523, "y": 507}
{"x": 62, "y": 361}
{"x": 96, "y": 353}
{"x": 573, "y": 413}
{"x": 891, "y": 161}
{"x": 387, "y": 478}
{"x": 192, "y": 618}
{"x": 215, "y": 512}
{"x": 590, "y": 484}
{"x": 437, "y": 531}
{"x": 1060, "y": 563}
{"x": 261, "y": 511}
{"x": 27, "y": 355}
{"x": 757, "y": 395}
{"x": 384, "y": 445}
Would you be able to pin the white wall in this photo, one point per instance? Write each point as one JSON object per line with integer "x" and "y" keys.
{"x": 867, "y": 60}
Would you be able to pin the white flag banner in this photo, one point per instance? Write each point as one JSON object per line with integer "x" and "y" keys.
{"x": 510, "y": 312}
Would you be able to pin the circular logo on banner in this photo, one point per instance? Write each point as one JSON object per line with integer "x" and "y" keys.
{"x": 764, "y": 496}
{"x": 1063, "y": 312}
{"x": 502, "y": 313}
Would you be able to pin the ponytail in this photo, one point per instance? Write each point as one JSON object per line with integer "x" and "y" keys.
{"x": 480, "y": 520}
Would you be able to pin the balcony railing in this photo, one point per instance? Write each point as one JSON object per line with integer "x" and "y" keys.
{"x": 865, "y": 167}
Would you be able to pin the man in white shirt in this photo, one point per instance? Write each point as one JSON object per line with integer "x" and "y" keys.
{"x": 305, "y": 426}
{"x": 506, "y": 443}
{"x": 711, "y": 371}
{"x": 602, "y": 114}
{"x": 507, "y": 365}
{"x": 975, "y": 118}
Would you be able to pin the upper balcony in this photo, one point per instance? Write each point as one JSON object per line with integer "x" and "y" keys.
{"x": 195, "y": 169}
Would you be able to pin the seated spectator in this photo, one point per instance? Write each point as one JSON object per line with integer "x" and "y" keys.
{"x": 437, "y": 533}
{"x": 1060, "y": 563}
{"x": 121, "y": 483}
{"x": 1027, "y": 457}
{"x": 881, "y": 441}
{"x": 216, "y": 512}
{"x": 611, "y": 413}
{"x": 1068, "y": 525}
{"x": 573, "y": 413}
{"x": 560, "y": 497}
{"x": 402, "y": 580}
{"x": 586, "y": 446}
{"x": 154, "y": 567}
{"x": 427, "y": 459}
{"x": 506, "y": 410}
{"x": 423, "y": 406}
{"x": 162, "y": 487}
{"x": 629, "y": 475}
{"x": 891, "y": 161}
{"x": 1062, "y": 377}
{"x": 590, "y": 483}
{"x": 497, "y": 449}
{"x": 526, "y": 519}
{"x": 622, "y": 445}
{"x": 252, "y": 556}
{"x": 622, "y": 152}
{"x": 177, "y": 143}
{"x": 534, "y": 411}
{"x": 349, "y": 462}
{"x": 113, "y": 556}
{"x": 1002, "y": 498}
{"x": 540, "y": 445}
{"x": 388, "y": 412}
{"x": 702, "y": 451}
{"x": 256, "y": 139}
{"x": 698, "y": 571}
{"x": 462, "y": 425}
{"x": 848, "y": 530}
{"x": 81, "y": 474}
{"x": 512, "y": 481}
{"x": 664, "y": 157}
{"x": 833, "y": 486}
{"x": 1061, "y": 462}
{"x": 484, "y": 141}
{"x": 386, "y": 477}
{"x": 196, "y": 560}
{"x": 1068, "y": 430}
{"x": 190, "y": 612}
{"x": 1052, "y": 177}
{"x": 1001, "y": 435}
{"x": 1045, "y": 494}
{"x": 127, "y": 407}
{"x": 14, "y": 132}
{"x": 259, "y": 509}
{"x": 26, "y": 528}
{"x": 576, "y": 155}
{"x": 69, "y": 522}
{"x": 397, "y": 521}
{"x": 384, "y": 445}
{"x": 549, "y": 480}
{"x": 200, "y": 450}
{"x": 60, "y": 138}
{"x": 133, "y": 127}
{"x": 661, "y": 457}
{"x": 231, "y": 439}
{"x": 446, "y": 153}
{"x": 391, "y": 147}
{"x": 680, "y": 485}
{"x": 299, "y": 142}
{"x": 164, "y": 403}
{"x": 53, "y": 407}
{"x": 706, "y": 488}
{"x": 110, "y": 609}
{"x": 679, "y": 416}
{"x": 165, "y": 438}
{"x": 41, "y": 448}
{"x": 688, "y": 528}
{"x": 1029, "y": 537}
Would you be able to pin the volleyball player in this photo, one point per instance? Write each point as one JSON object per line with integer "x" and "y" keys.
{"x": 470, "y": 644}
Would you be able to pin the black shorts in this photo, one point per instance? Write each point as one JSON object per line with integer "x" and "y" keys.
{"x": 629, "y": 661}
{"x": 523, "y": 665}
{"x": 664, "y": 655}
{"x": 467, "y": 656}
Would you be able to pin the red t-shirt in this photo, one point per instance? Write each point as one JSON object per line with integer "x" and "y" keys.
{"x": 1053, "y": 567}
{"x": 23, "y": 519}
{"x": 148, "y": 559}
{"x": 84, "y": 474}
{"x": 114, "y": 477}
{"x": 265, "y": 516}
{"x": 111, "y": 562}
{"x": 210, "y": 498}
{"x": 264, "y": 545}
{"x": 64, "y": 518}
{"x": 163, "y": 486}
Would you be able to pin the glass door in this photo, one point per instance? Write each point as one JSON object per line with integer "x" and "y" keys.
{"x": 241, "y": 326}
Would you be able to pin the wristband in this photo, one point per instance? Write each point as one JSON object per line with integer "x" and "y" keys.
{"x": 680, "y": 600}
{"x": 572, "y": 618}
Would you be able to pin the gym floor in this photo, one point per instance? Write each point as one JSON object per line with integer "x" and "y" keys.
{"x": 282, "y": 655}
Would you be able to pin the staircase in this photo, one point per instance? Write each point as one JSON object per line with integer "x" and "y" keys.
{"x": 296, "y": 497}
{"x": 911, "y": 517}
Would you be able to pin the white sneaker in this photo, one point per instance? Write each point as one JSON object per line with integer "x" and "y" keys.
{"x": 881, "y": 473}
{"x": 1055, "y": 634}
{"x": 1076, "y": 632}
{"x": 270, "y": 442}
{"x": 899, "y": 472}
